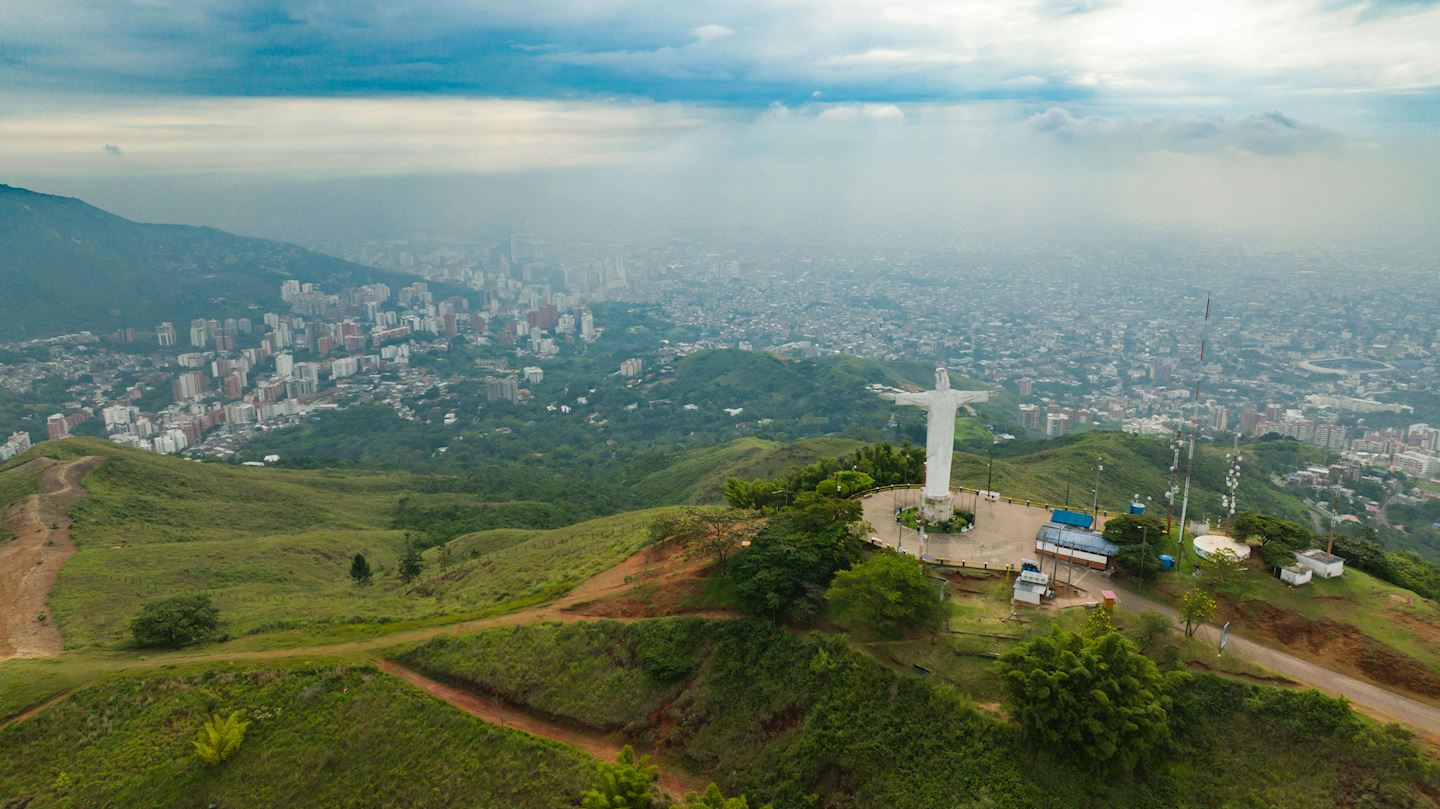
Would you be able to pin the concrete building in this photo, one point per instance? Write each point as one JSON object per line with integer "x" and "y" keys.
{"x": 1325, "y": 565}
{"x": 56, "y": 428}
{"x": 165, "y": 335}
{"x": 499, "y": 388}
{"x": 632, "y": 367}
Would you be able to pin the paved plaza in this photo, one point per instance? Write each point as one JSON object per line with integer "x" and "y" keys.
{"x": 1004, "y": 533}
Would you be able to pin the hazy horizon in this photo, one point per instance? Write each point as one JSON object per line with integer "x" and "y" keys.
{"x": 305, "y": 121}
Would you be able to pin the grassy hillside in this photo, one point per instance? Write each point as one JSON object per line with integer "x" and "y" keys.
{"x": 273, "y": 549}
{"x": 1133, "y": 465}
{"x": 321, "y": 736}
{"x": 805, "y": 721}
{"x": 70, "y": 266}
{"x": 696, "y": 475}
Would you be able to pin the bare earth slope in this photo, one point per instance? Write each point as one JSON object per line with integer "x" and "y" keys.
{"x": 30, "y": 563}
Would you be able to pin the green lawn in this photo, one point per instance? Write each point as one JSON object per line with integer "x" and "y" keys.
{"x": 321, "y": 735}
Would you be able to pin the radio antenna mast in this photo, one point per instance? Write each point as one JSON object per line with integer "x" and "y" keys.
{"x": 1194, "y": 428}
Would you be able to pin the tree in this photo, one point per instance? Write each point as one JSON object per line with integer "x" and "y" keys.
{"x": 1278, "y": 538}
{"x": 360, "y": 569}
{"x": 175, "y": 622}
{"x": 1093, "y": 699}
{"x": 1150, "y": 627}
{"x": 786, "y": 570}
{"x": 714, "y": 532}
{"x": 411, "y": 563}
{"x": 844, "y": 484}
{"x": 626, "y": 784}
{"x": 1196, "y": 607}
{"x": 1220, "y": 567}
{"x": 220, "y": 738}
{"x": 886, "y": 593}
{"x": 1140, "y": 561}
{"x": 447, "y": 559}
{"x": 1133, "y": 529}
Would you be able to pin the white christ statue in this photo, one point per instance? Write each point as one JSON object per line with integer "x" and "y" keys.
{"x": 941, "y": 405}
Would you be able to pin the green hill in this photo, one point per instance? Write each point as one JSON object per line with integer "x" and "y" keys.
{"x": 1044, "y": 471}
{"x": 69, "y": 266}
{"x": 321, "y": 735}
{"x": 272, "y": 548}
{"x": 804, "y": 720}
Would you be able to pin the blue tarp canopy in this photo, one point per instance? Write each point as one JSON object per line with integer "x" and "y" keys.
{"x": 1066, "y": 537}
{"x": 1072, "y": 518}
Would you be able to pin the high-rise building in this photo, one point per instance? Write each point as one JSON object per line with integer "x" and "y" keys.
{"x": 188, "y": 385}
{"x": 1032, "y": 418}
{"x": 198, "y": 333}
{"x": 56, "y": 428}
{"x": 587, "y": 325}
{"x": 632, "y": 367}
{"x": 500, "y": 388}
{"x": 165, "y": 335}
{"x": 1056, "y": 425}
{"x": 1026, "y": 386}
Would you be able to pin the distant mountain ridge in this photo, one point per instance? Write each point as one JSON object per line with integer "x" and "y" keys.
{"x": 68, "y": 266}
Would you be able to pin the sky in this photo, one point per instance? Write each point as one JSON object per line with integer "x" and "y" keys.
{"x": 1289, "y": 118}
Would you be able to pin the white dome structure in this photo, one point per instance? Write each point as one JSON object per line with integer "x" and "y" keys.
{"x": 1210, "y": 543}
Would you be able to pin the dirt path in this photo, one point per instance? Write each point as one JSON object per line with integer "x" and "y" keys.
{"x": 601, "y": 746}
{"x": 1372, "y": 699}
{"x": 31, "y": 562}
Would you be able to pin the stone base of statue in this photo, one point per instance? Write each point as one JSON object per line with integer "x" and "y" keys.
{"x": 938, "y": 509}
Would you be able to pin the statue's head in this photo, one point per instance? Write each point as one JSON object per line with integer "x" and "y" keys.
{"x": 942, "y": 379}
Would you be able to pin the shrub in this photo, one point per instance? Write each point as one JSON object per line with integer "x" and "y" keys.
{"x": 220, "y": 738}
{"x": 627, "y": 784}
{"x": 175, "y": 622}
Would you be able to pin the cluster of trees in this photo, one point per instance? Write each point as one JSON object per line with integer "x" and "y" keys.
{"x": 866, "y": 468}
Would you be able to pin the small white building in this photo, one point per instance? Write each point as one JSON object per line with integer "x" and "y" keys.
{"x": 1325, "y": 565}
{"x": 1031, "y": 587}
{"x": 1295, "y": 575}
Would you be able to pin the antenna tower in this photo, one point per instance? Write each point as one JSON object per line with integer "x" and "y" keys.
{"x": 1194, "y": 428}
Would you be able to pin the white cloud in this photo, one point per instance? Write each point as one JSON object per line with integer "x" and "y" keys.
{"x": 713, "y": 31}
{"x": 339, "y": 137}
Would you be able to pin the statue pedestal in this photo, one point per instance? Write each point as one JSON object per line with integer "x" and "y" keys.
{"x": 938, "y": 509}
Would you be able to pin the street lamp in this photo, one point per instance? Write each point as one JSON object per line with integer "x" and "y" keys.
{"x": 989, "y": 470}
{"x": 1099, "y": 467}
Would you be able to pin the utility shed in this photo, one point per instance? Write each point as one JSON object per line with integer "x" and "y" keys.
{"x": 1325, "y": 565}
{"x": 1295, "y": 575}
{"x": 1030, "y": 587}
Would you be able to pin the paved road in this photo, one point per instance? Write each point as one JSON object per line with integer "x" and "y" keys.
{"x": 1372, "y": 699}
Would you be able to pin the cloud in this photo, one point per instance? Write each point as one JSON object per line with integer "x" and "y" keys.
{"x": 1134, "y": 55}
{"x": 340, "y": 137}
{"x": 713, "y": 31}
{"x": 1270, "y": 133}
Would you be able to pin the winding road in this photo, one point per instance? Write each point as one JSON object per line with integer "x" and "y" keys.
{"x": 1423, "y": 719}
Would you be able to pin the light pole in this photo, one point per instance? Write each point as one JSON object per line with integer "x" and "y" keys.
{"x": 1099, "y": 467}
{"x": 989, "y": 470}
